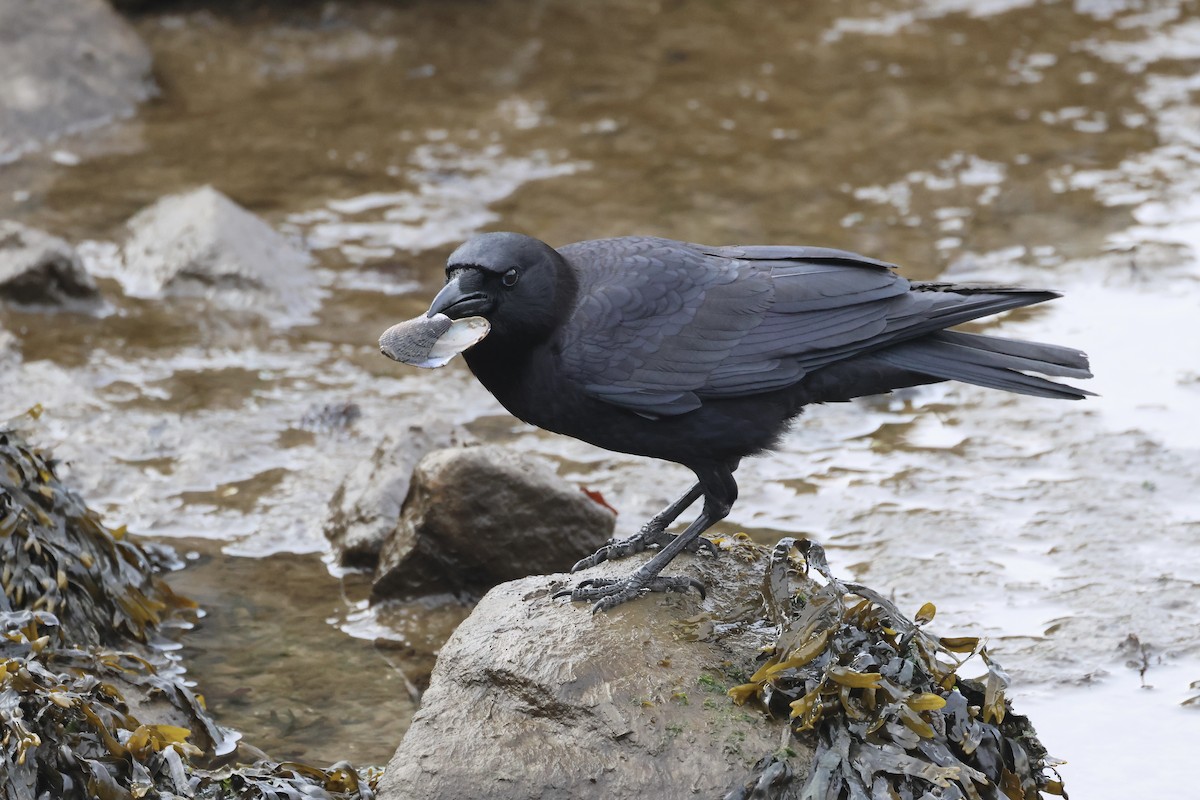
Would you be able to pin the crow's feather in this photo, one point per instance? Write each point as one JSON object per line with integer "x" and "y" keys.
{"x": 660, "y": 325}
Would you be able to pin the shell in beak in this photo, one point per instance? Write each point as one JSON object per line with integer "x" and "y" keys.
{"x": 432, "y": 341}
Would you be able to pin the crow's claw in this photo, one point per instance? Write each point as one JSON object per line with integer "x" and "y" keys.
{"x": 639, "y": 542}
{"x": 611, "y": 592}
{"x": 612, "y": 550}
{"x": 707, "y": 545}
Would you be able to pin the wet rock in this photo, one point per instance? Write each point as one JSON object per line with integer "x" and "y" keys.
{"x": 481, "y": 515}
{"x": 201, "y": 243}
{"x": 68, "y": 65}
{"x": 39, "y": 269}
{"x": 365, "y": 509}
{"x": 534, "y": 697}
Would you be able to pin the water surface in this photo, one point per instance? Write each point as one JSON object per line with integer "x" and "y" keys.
{"x": 1044, "y": 143}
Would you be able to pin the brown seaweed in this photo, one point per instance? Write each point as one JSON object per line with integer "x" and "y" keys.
{"x": 881, "y": 700}
{"x": 82, "y": 611}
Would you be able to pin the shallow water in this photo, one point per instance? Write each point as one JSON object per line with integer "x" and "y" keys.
{"x": 1050, "y": 144}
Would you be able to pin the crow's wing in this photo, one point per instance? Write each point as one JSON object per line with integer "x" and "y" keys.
{"x": 661, "y": 324}
{"x": 653, "y": 319}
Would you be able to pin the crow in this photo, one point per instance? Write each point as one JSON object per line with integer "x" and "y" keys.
{"x": 704, "y": 355}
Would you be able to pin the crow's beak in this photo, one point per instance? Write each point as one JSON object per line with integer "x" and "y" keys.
{"x": 462, "y": 297}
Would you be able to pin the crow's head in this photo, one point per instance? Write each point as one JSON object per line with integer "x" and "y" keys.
{"x": 513, "y": 281}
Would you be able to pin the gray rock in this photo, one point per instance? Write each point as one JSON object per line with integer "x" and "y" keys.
{"x": 201, "y": 243}
{"x": 365, "y": 509}
{"x": 39, "y": 269}
{"x": 330, "y": 417}
{"x": 481, "y": 515}
{"x": 68, "y": 65}
{"x": 534, "y": 698}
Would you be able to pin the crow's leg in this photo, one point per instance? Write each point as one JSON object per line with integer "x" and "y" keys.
{"x": 653, "y": 532}
{"x": 720, "y": 491}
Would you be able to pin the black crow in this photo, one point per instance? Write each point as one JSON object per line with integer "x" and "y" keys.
{"x": 703, "y": 355}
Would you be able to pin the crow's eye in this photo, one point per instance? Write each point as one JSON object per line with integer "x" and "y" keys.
{"x": 509, "y": 279}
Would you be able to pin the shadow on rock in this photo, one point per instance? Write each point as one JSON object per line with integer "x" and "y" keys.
{"x": 37, "y": 269}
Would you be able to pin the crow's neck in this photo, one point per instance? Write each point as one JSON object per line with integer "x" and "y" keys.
{"x": 516, "y": 362}
{"x": 504, "y": 371}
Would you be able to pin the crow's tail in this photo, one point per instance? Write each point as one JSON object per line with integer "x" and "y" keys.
{"x": 992, "y": 362}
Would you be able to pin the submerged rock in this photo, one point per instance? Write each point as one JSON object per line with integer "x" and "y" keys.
{"x": 533, "y": 697}
{"x": 365, "y": 509}
{"x": 68, "y": 65}
{"x": 201, "y": 243}
{"x": 39, "y": 269}
{"x": 330, "y": 417}
{"x": 477, "y": 516}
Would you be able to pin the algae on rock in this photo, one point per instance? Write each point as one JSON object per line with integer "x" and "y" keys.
{"x": 870, "y": 705}
{"x": 90, "y": 707}
{"x": 534, "y": 697}
{"x": 880, "y": 699}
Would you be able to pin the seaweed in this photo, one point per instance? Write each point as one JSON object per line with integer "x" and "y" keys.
{"x": 92, "y": 703}
{"x": 881, "y": 699}
{"x": 66, "y": 727}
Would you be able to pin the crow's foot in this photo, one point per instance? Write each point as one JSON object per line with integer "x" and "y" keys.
{"x": 647, "y": 537}
{"x": 611, "y": 592}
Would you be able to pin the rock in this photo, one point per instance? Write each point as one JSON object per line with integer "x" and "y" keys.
{"x": 478, "y": 516}
{"x": 68, "y": 65}
{"x": 39, "y": 269}
{"x": 330, "y": 417}
{"x": 365, "y": 509}
{"x": 201, "y": 243}
{"x": 534, "y": 697}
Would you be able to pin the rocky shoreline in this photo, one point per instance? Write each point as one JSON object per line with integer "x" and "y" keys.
{"x": 531, "y": 697}
{"x": 206, "y": 356}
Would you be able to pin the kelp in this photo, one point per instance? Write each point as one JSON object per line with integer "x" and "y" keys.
{"x": 289, "y": 780}
{"x": 57, "y": 556}
{"x": 83, "y": 617}
{"x": 66, "y": 730}
{"x": 881, "y": 700}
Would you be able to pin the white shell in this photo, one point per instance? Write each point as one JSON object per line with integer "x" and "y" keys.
{"x": 432, "y": 341}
